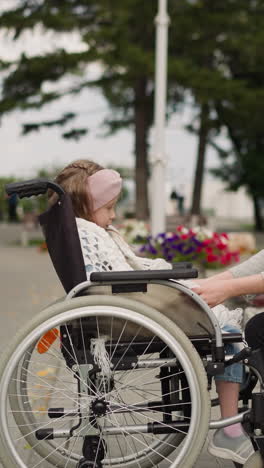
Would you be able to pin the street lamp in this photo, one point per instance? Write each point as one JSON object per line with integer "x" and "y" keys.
{"x": 157, "y": 159}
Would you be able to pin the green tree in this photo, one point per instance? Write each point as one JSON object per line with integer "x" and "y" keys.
{"x": 240, "y": 112}
{"x": 207, "y": 38}
{"x": 3, "y": 197}
{"x": 217, "y": 49}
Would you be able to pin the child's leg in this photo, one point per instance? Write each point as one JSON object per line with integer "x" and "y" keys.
{"x": 228, "y": 385}
{"x": 228, "y": 393}
{"x": 228, "y": 397}
{"x": 231, "y": 441}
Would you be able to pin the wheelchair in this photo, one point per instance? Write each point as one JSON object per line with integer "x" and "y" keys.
{"x": 117, "y": 373}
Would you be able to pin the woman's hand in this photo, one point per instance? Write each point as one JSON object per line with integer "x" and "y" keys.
{"x": 200, "y": 282}
{"x": 216, "y": 290}
{"x": 213, "y": 292}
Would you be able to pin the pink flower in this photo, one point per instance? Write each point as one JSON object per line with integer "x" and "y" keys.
{"x": 236, "y": 256}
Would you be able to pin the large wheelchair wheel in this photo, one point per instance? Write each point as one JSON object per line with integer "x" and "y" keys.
{"x": 100, "y": 394}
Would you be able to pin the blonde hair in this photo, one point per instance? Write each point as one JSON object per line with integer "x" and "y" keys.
{"x": 73, "y": 179}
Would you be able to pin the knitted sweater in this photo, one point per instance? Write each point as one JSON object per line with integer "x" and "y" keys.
{"x": 252, "y": 266}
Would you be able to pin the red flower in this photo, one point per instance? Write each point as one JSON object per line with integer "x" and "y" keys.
{"x": 223, "y": 260}
{"x": 221, "y": 246}
{"x": 212, "y": 258}
{"x": 180, "y": 228}
{"x": 227, "y": 258}
{"x": 207, "y": 241}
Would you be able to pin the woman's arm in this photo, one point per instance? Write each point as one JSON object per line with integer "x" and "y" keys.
{"x": 251, "y": 266}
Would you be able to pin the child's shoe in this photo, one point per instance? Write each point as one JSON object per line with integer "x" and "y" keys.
{"x": 237, "y": 449}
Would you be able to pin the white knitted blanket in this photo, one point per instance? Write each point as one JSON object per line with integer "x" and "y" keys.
{"x": 106, "y": 250}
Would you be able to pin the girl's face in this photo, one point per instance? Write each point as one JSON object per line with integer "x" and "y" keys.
{"x": 105, "y": 215}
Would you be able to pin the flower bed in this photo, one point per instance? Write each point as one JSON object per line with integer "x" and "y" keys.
{"x": 198, "y": 245}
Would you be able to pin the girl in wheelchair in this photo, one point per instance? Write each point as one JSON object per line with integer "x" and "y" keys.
{"x": 122, "y": 365}
{"x": 94, "y": 192}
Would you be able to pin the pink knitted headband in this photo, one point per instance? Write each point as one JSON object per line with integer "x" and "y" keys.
{"x": 103, "y": 186}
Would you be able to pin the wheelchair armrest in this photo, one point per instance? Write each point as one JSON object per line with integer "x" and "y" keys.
{"x": 180, "y": 265}
{"x": 143, "y": 275}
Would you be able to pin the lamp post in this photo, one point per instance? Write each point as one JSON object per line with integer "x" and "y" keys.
{"x": 157, "y": 159}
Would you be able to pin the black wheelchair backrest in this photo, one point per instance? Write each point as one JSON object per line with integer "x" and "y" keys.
{"x": 63, "y": 242}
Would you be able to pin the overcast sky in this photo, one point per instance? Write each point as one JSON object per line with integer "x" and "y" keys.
{"x": 22, "y": 156}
